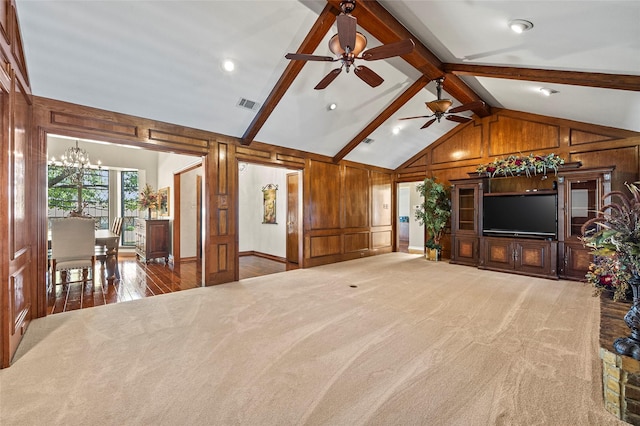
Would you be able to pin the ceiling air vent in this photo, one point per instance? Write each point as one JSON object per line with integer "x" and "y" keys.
{"x": 246, "y": 103}
{"x": 367, "y": 140}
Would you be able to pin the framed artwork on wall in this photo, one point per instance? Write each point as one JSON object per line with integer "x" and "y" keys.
{"x": 163, "y": 201}
{"x": 269, "y": 204}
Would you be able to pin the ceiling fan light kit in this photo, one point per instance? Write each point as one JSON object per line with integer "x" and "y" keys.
{"x": 348, "y": 45}
{"x": 439, "y": 105}
{"x": 336, "y": 48}
{"x": 440, "y": 108}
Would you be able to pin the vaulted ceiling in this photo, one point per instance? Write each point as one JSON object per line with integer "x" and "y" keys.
{"x": 163, "y": 60}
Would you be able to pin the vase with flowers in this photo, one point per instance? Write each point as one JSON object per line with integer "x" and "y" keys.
{"x": 614, "y": 237}
{"x": 148, "y": 200}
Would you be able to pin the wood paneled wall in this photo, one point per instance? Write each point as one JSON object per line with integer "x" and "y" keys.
{"x": 347, "y": 212}
{"x": 510, "y": 132}
{"x": 339, "y": 200}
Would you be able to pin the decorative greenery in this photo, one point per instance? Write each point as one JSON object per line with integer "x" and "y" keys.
{"x": 606, "y": 274}
{"x": 148, "y": 198}
{"x": 431, "y": 244}
{"x": 435, "y": 210}
{"x": 614, "y": 237}
{"x": 518, "y": 164}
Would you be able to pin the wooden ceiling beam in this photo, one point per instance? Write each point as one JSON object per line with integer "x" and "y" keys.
{"x": 376, "y": 20}
{"x": 575, "y": 78}
{"x": 319, "y": 29}
{"x": 384, "y": 116}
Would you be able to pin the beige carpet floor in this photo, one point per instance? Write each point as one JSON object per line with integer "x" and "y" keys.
{"x": 415, "y": 343}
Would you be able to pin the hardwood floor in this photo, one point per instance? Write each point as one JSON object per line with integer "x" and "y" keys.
{"x": 139, "y": 280}
{"x": 255, "y": 266}
{"x": 403, "y": 246}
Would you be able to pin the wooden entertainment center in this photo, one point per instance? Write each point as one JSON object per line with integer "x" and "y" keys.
{"x": 578, "y": 194}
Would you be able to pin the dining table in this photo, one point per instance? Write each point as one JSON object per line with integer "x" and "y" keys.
{"x": 110, "y": 240}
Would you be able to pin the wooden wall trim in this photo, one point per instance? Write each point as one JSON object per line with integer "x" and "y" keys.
{"x": 91, "y": 124}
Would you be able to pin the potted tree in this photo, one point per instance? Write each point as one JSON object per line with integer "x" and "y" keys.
{"x": 433, "y": 214}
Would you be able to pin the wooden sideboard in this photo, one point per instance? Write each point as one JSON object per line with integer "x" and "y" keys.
{"x": 152, "y": 239}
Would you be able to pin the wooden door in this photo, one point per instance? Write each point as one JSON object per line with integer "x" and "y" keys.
{"x": 18, "y": 221}
{"x": 293, "y": 233}
{"x": 536, "y": 257}
{"x": 576, "y": 261}
{"x": 498, "y": 253}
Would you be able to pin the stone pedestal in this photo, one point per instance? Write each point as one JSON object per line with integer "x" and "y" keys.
{"x": 620, "y": 373}
{"x": 621, "y": 386}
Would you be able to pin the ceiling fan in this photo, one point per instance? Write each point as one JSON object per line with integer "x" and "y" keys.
{"x": 348, "y": 44}
{"x": 440, "y": 106}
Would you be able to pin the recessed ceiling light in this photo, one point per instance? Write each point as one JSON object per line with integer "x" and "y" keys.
{"x": 520, "y": 25}
{"x": 548, "y": 92}
{"x": 228, "y": 65}
{"x": 395, "y": 130}
{"x": 332, "y": 106}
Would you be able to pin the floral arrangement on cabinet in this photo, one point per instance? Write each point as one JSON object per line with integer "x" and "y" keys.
{"x": 148, "y": 199}
{"x": 517, "y": 164}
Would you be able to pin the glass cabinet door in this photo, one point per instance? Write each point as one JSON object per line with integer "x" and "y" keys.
{"x": 466, "y": 209}
{"x": 582, "y": 203}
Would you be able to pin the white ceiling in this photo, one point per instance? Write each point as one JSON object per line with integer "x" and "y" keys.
{"x": 162, "y": 60}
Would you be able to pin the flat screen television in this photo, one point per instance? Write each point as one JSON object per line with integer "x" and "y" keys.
{"x": 534, "y": 215}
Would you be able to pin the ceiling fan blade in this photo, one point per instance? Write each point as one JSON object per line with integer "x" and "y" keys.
{"x": 466, "y": 107}
{"x": 458, "y": 118}
{"x": 346, "y": 31}
{"x": 428, "y": 123}
{"x": 328, "y": 78}
{"x": 306, "y": 57}
{"x": 417, "y": 116}
{"x": 398, "y": 48}
{"x": 368, "y": 76}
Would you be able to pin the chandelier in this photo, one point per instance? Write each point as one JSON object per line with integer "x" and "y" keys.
{"x": 75, "y": 163}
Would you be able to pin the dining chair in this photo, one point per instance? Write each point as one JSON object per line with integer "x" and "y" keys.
{"x": 72, "y": 247}
{"x": 116, "y": 226}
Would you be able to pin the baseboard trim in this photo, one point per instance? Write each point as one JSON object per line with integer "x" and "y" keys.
{"x": 263, "y": 255}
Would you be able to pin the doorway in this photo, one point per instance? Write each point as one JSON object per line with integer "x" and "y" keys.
{"x": 410, "y": 235}
{"x": 187, "y": 225}
{"x": 269, "y": 219}
{"x": 148, "y": 166}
